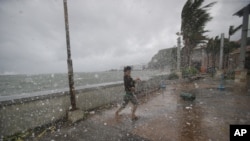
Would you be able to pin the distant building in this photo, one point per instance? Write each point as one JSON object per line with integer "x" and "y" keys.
{"x": 198, "y": 57}
{"x": 138, "y": 67}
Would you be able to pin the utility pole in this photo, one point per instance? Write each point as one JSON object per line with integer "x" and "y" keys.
{"x": 69, "y": 61}
{"x": 242, "y": 57}
{"x": 178, "y": 53}
{"x": 221, "y": 51}
{"x": 178, "y": 69}
{"x": 241, "y": 72}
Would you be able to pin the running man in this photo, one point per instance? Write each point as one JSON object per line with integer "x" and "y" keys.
{"x": 129, "y": 85}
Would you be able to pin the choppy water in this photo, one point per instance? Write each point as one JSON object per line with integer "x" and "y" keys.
{"x": 20, "y": 84}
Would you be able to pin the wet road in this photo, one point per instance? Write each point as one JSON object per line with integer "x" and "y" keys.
{"x": 164, "y": 116}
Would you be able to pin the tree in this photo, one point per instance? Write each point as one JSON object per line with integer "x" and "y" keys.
{"x": 212, "y": 49}
{"x": 194, "y": 17}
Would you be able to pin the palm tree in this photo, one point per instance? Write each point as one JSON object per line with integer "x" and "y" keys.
{"x": 212, "y": 49}
{"x": 194, "y": 17}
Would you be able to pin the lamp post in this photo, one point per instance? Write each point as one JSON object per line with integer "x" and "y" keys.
{"x": 69, "y": 61}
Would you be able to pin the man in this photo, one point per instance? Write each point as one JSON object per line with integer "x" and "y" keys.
{"x": 129, "y": 85}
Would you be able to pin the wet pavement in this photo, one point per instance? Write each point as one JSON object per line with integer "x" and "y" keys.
{"x": 164, "y": 116}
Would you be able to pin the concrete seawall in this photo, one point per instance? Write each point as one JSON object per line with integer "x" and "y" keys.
{"x": 25, "y": 112}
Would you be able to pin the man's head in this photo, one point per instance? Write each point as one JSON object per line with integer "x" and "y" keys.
{"x": 127, "y": 70}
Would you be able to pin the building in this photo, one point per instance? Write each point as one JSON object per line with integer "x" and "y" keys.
{"x": 234, "y": 58}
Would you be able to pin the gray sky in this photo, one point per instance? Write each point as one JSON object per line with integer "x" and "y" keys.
{"x": 104, "y": 34}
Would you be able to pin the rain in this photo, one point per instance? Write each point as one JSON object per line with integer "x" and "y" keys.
{"x": 124, "y": 70}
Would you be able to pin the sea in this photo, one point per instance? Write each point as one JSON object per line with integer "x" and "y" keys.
{"x": 23, "y": 84}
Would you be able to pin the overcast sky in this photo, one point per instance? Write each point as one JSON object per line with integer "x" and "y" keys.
{"x": 104, "y": 34}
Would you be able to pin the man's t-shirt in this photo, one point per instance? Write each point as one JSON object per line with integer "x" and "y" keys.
{"x": 128, "y": 83}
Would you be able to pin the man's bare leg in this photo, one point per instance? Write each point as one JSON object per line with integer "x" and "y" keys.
{"x": 118, "y": 111}
{"x": 134, "y": 117}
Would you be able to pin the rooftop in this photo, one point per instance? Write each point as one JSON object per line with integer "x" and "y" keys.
{"x": 237, "y": 51}
{"x": 240, "y": 12}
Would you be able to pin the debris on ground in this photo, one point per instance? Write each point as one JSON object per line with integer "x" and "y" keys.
{"x": 187, "y": 96}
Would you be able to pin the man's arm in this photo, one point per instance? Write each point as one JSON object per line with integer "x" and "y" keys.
{"x": 134, "y": 81}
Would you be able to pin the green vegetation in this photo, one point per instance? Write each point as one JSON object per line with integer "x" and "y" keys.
{"x": 173, "y": 76}
{"x": 229, "y": 75}
{"x": 189, "y": 71}
{"x": 213, "y": 49}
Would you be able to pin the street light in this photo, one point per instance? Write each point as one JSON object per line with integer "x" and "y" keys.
{"x": 69, "y": 61}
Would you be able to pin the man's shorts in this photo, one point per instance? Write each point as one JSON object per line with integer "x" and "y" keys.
{"x": 129, "y": 97}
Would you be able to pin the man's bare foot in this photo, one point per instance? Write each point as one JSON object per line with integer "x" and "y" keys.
{"x": 134, "y": 118}
{"x": 117, "y": 115}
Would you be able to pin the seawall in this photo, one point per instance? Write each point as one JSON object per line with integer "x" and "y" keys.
{"x": 23, "y": 112}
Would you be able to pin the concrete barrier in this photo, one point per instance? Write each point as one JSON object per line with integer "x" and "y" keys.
{"x": 21, "y": 113}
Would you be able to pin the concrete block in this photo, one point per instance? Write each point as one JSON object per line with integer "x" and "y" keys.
{"x": 241, "y": 77}
{"x": 74, "y": 116}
